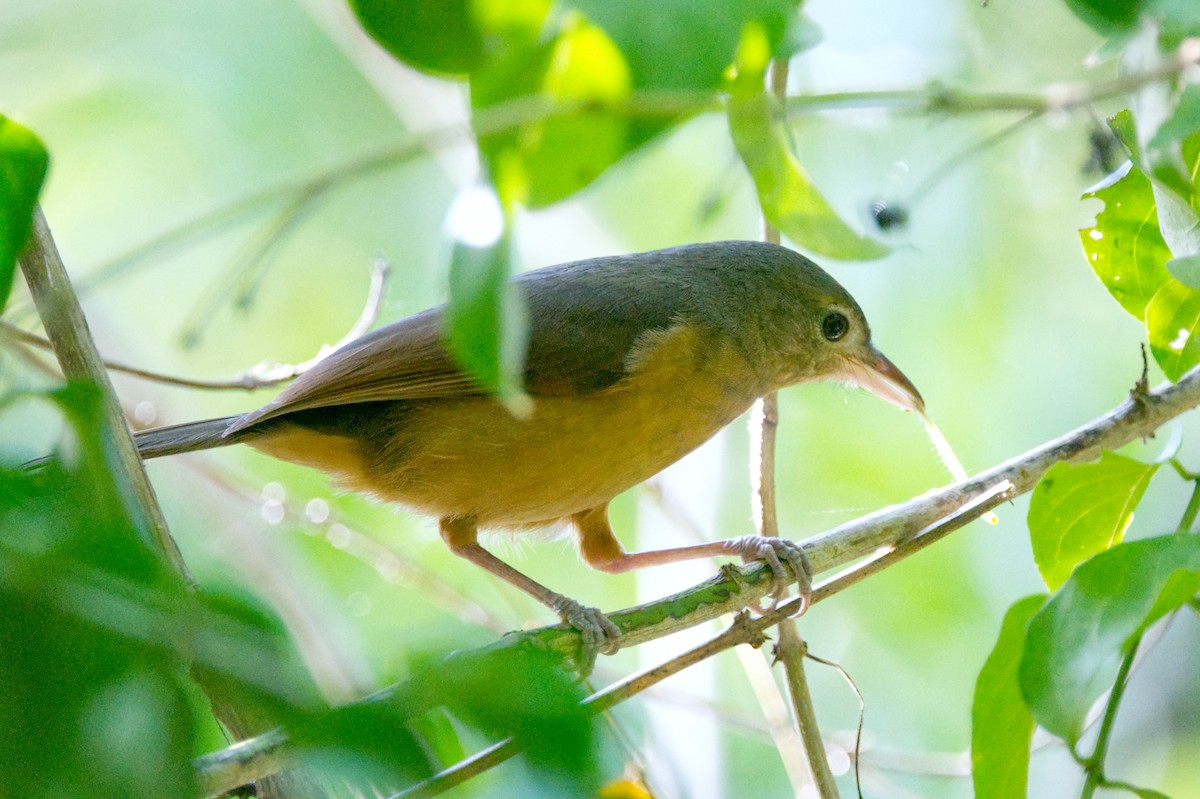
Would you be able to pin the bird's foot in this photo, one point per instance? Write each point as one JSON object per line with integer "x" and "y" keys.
{"x": 775, "y": 552}
{"x": 598, "y": 635}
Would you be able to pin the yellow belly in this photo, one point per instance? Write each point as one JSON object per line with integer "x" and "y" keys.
{"x": 469, "y": 457}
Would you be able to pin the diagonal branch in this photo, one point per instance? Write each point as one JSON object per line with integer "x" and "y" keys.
{"x": 888, "y": 536}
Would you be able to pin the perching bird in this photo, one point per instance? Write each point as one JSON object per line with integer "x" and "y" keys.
{"x": 633, "y": 361}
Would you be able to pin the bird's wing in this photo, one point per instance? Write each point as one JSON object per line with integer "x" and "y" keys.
{"x": 579, "y": 341}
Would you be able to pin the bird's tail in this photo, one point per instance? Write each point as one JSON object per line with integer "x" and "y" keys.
{"x": 186, "y": 437}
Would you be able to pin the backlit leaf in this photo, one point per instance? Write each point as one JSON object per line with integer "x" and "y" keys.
{"x": 1079, "y": 509}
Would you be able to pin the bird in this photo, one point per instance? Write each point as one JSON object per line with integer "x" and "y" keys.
{"x": 632, "y": 362}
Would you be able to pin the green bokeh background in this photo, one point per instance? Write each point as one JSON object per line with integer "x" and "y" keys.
{"x": 155, "y": 113}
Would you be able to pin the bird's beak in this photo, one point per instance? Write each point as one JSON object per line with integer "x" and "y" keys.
{"x": 880, "y": 376}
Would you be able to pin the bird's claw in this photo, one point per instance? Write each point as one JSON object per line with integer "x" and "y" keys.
{"x": 598, "y": 635}
{"x": 775, "y": 552}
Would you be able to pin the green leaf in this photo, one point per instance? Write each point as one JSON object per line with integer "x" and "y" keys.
{"x": 1125, "y": 246}
{"x": 1074, "y": 645}
{"x": 582, "y": 75}
{"x": 1080, "y": 509}
{"x": 788, "y": 197}
{"x": 1001, "y": 725}
{"x": 686, "y": 44}
{"x": 527, "y": 694}
{"x": 23, "y": 163}
{"x": 486, "y": 327}
{"x": 441, "y": 36}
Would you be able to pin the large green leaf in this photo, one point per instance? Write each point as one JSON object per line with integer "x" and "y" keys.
{"x": 1001, "y": 726}
{"x": 1074, "y": 645}
{"x": 23, "y": 162}
{"x": 789, "y": 199}
{"x": 1080, "y": 509}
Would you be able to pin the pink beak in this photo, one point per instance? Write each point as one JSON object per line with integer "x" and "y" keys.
{"x": 881, "y": 377}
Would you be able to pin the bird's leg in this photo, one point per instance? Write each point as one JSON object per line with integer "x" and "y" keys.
{"x": 598, "y": 633}
{"x": 601, "y": 550}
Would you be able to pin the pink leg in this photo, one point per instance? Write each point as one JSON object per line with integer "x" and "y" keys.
{"x": 601, "y": 550}
{"x": 599, "y": 634}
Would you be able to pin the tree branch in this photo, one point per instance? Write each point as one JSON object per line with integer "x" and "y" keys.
{"x": 890, "y": 535}
{"x": 67, "y": 329}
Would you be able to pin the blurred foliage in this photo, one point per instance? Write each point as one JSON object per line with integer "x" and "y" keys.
{"x": 23, "y": 162}
{"x": 100, "y": 642}
{"x": 593, "y": 127}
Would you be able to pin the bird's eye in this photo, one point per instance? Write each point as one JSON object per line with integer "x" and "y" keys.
{"x": 834, "y": 325}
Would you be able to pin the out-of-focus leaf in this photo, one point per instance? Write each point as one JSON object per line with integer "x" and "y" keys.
{"x": 1108, "y": 16}
{"x": 788, "y": 197}
{"x": 1177, "y": 20}
{"x": 485, "y": 318}
{"x": 548, "y": 157}
{"x": 363, "y": 745}
{"x": 1173, "y": 155}
{"x": 686, "y": 44}
{"x": 524, "y": 693}
{"x": 1186, "y": 270}
{"x": 1001, "y": 726}
{"x": 1079, "y": 509}
{"x": 23, "y": 162}
{"x": 1074, "y": 645}
{"x": 437, "y": 735}
{"x": 442, "y": 36}
{"x": 83, "y": 710}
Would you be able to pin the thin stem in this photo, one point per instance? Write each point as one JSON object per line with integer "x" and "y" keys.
{"x": 791, "y": 648}
{"x": 1094, "y": 765}
{"x": 1192, "y": 509}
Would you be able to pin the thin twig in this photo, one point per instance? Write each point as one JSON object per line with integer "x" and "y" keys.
{"x": 252, "y": 379}
{"x": 791, "y": 649}
{"x": 642, "y": 104}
